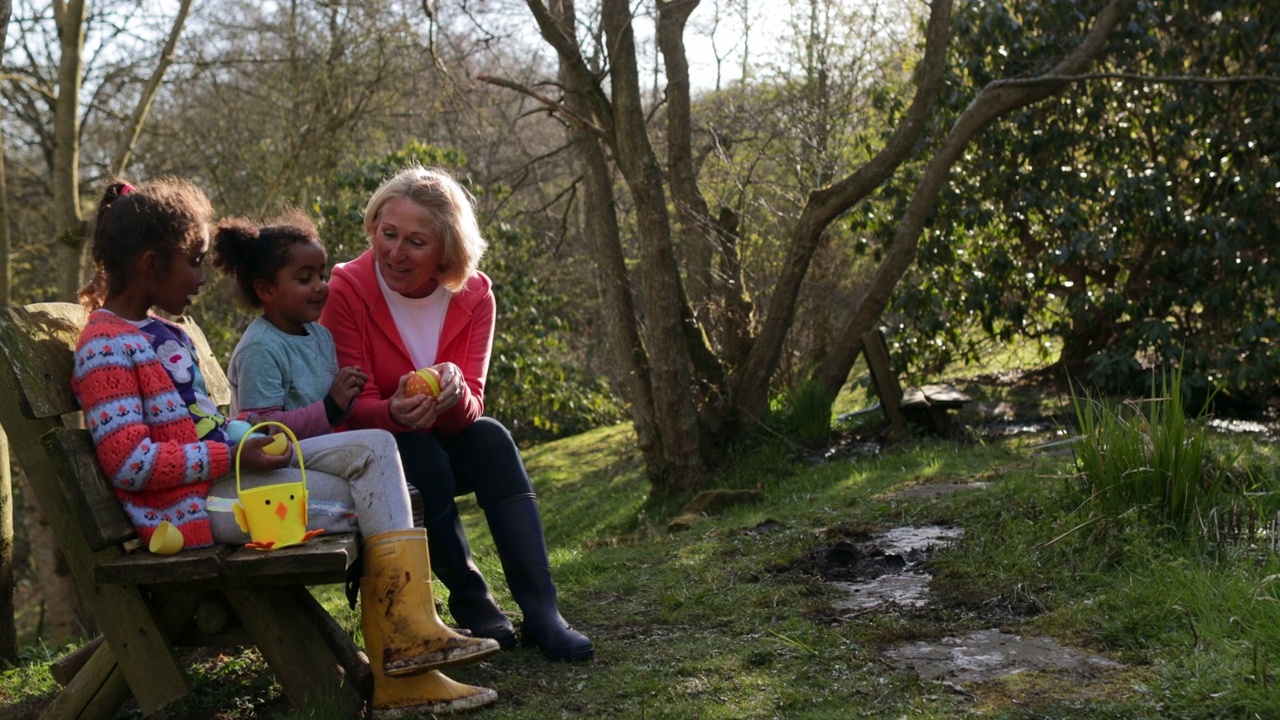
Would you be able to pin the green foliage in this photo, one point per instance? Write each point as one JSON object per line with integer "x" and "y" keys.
{"x": 1128, "y": 220}
{"x": 537, "y": 384}
{"x": 1147, "y": 456}
{"x": 808, "y": 411}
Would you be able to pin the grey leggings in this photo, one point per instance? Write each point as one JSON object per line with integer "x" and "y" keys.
{"x": 355, "y": 483}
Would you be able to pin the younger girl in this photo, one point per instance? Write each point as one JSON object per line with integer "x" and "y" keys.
{"x": 162, "y": 442}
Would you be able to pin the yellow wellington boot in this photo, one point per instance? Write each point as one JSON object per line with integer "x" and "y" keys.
{"x": 430, "y": 693}
{"x": 399, "y": 607}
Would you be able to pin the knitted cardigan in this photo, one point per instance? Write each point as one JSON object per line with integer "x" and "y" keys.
{"x": 145, "y": 438}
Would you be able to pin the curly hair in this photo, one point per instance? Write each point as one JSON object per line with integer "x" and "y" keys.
{"x": 167, "y": 215}
{"x": 249, "y": 252}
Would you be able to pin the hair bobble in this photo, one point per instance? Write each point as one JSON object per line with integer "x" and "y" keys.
{"x": 125, "y": 189}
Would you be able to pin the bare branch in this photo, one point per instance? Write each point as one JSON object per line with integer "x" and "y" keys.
{"x": 553, "y": 105}
{"x": 1135, "y": 77}
{"x": 134, "y": 128}
{"x": 24, "y": 80}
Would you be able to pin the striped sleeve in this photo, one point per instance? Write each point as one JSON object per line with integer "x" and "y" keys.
{"x": 137, "y": 419}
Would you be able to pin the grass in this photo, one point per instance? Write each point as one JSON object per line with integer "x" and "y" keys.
{"x": 726, "y": 619}
{"x": 1148, "y": 456}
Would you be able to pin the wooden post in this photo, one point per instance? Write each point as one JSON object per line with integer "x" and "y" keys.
{"x": 887, "y": 386}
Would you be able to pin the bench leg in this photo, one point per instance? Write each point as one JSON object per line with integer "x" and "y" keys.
{"x": 94, "y": 682}
{"x": 64, "y": 669}
{"x": 138, "y": 634}
{"x": 294, "y": 647}
{"x": 352, "y": 659}
{"x": 95, "y": 692}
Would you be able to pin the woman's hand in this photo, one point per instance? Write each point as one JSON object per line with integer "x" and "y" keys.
{"x": 253, "y": 459}
{"x": 415, "y": 411}
{"x": 452, "y": 385}
{"x": 347, "y": 384}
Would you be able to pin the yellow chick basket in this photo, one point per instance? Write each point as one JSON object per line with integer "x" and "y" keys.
{"x": 274, "y": 516}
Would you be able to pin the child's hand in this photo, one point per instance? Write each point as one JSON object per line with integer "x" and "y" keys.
{"x": 253, "y": 459}
{"x": 347, "y": 384}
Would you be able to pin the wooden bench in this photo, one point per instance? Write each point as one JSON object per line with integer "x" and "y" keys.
{"x": 146, "y": 605}
{"x": 926, "y": 406}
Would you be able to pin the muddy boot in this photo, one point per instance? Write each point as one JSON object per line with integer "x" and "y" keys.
{"x": 470, "y": 602}
{"x": 398, "y": 610}
{"x": 517, "y": 533}
{"x": 430, "y": 693}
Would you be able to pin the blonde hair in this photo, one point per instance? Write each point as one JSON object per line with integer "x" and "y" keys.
{"x": 452, "y": 209}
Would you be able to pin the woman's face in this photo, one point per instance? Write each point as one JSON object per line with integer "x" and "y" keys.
{"x": 407, "y": 248}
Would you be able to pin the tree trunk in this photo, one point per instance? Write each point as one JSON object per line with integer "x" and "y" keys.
{"x": 734, "y": 331}
{"x": 8, "y": 632}
{"x": 995, "y": 100}
{"x": 685, "y": 450}
{"x": 599, "y": 213}
{"x": 70, "y": 18}
{"x": 686, "y": 381}
{"x": 696, "y": 228}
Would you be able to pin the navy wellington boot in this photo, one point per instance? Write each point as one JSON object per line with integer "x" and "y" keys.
{"x": 517, "y": 532}
{"x": 470, "y": 602}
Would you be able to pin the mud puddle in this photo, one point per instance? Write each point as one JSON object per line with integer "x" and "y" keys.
{"x": 902, "y": 552}
{"x": 880, "y": 569}
{"x": 843, "y": 446}
{"x": 990, "y": 654}
{"x": 1010, "y": 428}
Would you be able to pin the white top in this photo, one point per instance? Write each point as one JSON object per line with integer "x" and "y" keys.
{"x": 418, "y": 320}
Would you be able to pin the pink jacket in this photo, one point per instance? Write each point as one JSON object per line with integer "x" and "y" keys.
{"x": 366, "y": 335}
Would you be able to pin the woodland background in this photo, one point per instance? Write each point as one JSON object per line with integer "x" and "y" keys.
{"x": 695, "y": 252}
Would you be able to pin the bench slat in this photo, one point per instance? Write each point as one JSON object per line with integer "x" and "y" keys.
{"x": 142, "y": 567}
{"x": 89, "y": 494}
{"x": 322, "y": 560}
{"x": 39, "y": 341}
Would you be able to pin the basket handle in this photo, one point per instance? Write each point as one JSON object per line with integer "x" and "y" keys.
{"x": 297, "y": 449}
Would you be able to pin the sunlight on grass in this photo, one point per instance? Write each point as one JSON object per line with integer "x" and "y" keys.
{"x": 730, "y": 619}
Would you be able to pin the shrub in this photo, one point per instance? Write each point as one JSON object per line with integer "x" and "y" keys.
{"x": 1147, "y": 455}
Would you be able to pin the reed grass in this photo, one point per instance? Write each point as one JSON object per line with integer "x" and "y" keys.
{"x": 1149, "y": 456}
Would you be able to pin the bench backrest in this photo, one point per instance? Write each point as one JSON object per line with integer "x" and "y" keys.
{"x": 37, "y": 343}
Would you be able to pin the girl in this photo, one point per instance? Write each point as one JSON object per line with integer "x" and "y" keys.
{"x": 162, "y": 442}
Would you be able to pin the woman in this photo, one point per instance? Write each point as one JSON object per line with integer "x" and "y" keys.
{"x": 416, "y": 299}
